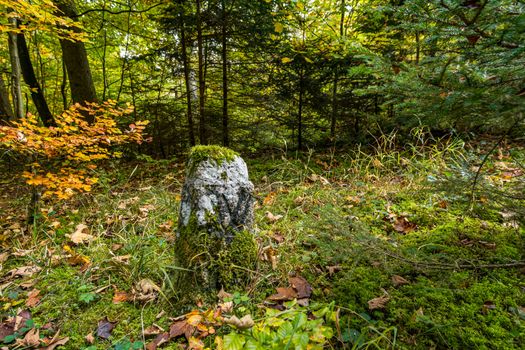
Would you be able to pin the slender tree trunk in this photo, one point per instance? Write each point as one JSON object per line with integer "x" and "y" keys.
{"x": 202, "y": 86}
{"x": 77, "y": 65}
{"x": 300, "y": 112}
{"x": 125, "y": 63}
{"x": 335, "y": 111}
{"x": 418, "y": 48}
{"x": 28, "y": 73}
{"x": 16, "y": 73}
{"x": 6, "y": 112}
{"x": 63, "y": 85}
{"x": 104, "y": 72}
{"x": 186, "y": 64}
{"x": 334, "y": 105}
{"x": 225, "y": 131}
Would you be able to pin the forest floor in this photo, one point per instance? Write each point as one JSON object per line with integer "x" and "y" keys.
{"x": 379, "y": 249}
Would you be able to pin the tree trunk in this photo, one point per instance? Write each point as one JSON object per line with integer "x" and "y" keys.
{"x": 186, "y": 64}
{"x": 300, "y": 112}
{"x": 336, "y": 76}
{"x": 225, "y": 131}
{"x": 63, "y": 85}
{"x": 28, "y": 73}
{"x": 16, "y": 73}
{"x": 202, "y": 86}
{"x": 76, "y": 60}
{"x": 6, "y": 112}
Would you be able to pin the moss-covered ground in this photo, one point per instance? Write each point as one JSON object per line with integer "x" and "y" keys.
{"x": 356, "y": 225}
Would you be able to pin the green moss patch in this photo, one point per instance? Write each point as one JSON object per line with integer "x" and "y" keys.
{"x": 217, "y": 153}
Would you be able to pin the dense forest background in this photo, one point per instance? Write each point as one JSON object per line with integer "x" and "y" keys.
{"x": 261, "y": 74}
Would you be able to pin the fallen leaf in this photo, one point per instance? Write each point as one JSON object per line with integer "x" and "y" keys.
{"x": 80, "y": 236}
{"x": 181, "y": 328}
{"x": 90, "y": 339}
{"x": 122, "y": 259}
{"x": 3, "y": 256}
{"x": 487, "y": 306}
{"x": 273, "y": 218}
{"x": 226, "y": 307}
{"x": 402, "y": 225}
{"x": 55, "y": 342}
{"x": 116, "y": 246}
{"x": 301, "y": 285}
{"x": 33, "y": 298}
{"x": 195, "y": 344}
{"x": 322, "y": 180}
{"x": 399, "y": 281}
{"x": 153, "y": 330}
{"x": 283, "y": 294}
{"x": 160, "y": 339}
{"x": 25, "y": 271}
{"x": 32, "y": 338}
{"x": 223, "y": 294}
{"x": 244, "y": 323}
{"x": 21, "y": 319}
{"x": 333, "y": 269}
{"x": 270, "y": 198}
{"x": 120, "y": 297}
{"x": 145, "y": 290}
{"x": 27, "y": 284}
{"x": 105, "y": 327}
{"x": 379, "y": 302}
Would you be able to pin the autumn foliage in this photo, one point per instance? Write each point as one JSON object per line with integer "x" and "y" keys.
{"x": 61, "y": 159}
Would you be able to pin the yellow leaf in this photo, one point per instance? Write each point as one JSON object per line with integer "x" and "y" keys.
{"x": 286, "y": 60}
{"x": 278, "y": 27}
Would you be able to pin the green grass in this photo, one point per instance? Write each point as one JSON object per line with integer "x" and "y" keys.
{"x": 336, "y": 231}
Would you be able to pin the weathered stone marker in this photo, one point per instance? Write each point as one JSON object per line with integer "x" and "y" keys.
{"x": 216, "y": 215}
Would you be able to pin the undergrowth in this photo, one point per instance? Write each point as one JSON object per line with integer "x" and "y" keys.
{"x": 352, "y": 224}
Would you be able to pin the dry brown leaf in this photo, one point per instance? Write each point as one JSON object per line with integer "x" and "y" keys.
{"x": 3, "y": 256}
{"x": 32, "y": 338}
{"x": 402, "y": 225}
{"x": 27, "y": 284}
{"x": 33, "y": 298}
{"x": 80, "y": 236}
{"x": 179, "y": 328}
{"x": 223, "y": 294}
{"x": 399, "y": 281}
{"x": 122, "y": 259}
{"x": 153, "y": 330}
{"x": 283, "y": 294}
{"x": 105, "y": 327}
{"x": 322, "y": 180}
{"x": 226, "y": 307}
{"x": 301, "y": 285}
{"x": 90, "y": 339}
{"x": 333, "y": 269}
{"x": 244, "y": 323}
{"x": 145, "y": 290}
{"x": 57, "y": 343}
{"x": 273, "y": 218}
{"x": 378, "y": 303}
{"x": 160, "y": 339}
{"x": 25, "y": 271}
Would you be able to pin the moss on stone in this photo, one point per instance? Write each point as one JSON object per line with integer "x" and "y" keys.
{"x": 217, "y": 153}
{"x": 214, "y": 262}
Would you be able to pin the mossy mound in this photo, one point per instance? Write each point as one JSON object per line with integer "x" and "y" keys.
{"x": 217, "y": 153}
